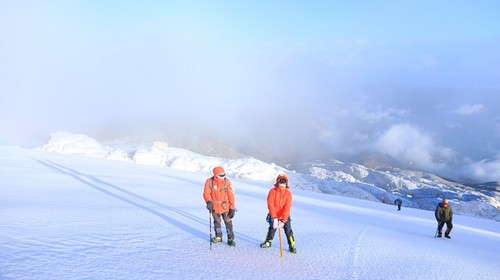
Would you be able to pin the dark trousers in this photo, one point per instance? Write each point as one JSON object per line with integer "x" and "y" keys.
{"x": 449, "y": 226}
{"x": 227, "y": 221}
{"x": 288, "y": 232}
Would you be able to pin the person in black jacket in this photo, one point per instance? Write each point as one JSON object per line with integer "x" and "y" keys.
{"x": 444, "y": 215}
{"x": 398, "y": 202}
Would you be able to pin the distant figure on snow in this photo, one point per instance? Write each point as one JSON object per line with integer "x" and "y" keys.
{"x": 444, "y": 214}
{"x": 279, "y": 203}
{"x": 219, "y": 197}
{"x": 398, "y": 202}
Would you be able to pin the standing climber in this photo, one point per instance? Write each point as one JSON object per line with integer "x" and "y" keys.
{"x": 279, "y": 203}
{"x": 444, "y": 215}
{"x": 219, "y": 197}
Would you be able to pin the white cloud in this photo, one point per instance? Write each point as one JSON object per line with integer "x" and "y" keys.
{"x": 415, "y": 147}
{"x": 468, "y": 110}
{"x": 483, "y": 170}
{"x": 407, "y": 143}
{"x": 384, "y": 114}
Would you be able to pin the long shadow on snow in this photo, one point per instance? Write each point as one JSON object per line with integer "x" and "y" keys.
{"x": 355, "y": 213}
{"x": 238, "y": 235}
{"x": 84, "y": 179}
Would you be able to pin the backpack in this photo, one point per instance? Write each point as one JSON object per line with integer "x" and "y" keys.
{"x": 225, "y": 189}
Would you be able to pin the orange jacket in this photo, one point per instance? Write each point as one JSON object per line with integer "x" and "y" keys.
{"x": 221, "y": 194}
{"x": 279, "y": 202}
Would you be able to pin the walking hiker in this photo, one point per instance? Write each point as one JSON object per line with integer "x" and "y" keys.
{"x": 279, "y": 203}
{"x": 398, "y": 202}
{"x": 444, "y": 215}
{"x": 219, "y": 197}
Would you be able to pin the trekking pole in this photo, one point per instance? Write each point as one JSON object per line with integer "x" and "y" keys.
{"x": 281, "y": 244}
{"x": 210, "y": 224}
{"x": 435, "y": 235}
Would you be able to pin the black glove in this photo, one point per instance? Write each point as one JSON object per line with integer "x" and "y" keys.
{"x": 210, "y": 207}
{"x": 231, "y": 213}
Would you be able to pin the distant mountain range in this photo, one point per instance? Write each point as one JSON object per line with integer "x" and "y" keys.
{"x": 417, "y": 189}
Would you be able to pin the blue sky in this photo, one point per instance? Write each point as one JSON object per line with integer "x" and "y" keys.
{"x": 284, "y": 79}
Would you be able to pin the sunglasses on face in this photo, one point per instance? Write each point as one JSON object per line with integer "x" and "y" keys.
{"x": 222, "y": 175}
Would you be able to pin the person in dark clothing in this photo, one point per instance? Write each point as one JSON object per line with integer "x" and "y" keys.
{"x": 398, "y": 202}
{"x": 444, "y": 215}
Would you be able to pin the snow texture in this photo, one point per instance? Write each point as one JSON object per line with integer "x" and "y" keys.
{"x": 78, "y": 217}
{"x": 417, "y": 189}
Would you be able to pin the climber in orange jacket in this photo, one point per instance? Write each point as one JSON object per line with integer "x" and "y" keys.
{"x": 279, "y": 203}
{"x": 219, "y": 197}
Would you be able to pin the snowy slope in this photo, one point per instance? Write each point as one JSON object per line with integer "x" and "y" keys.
{"x": 419, "y": 190}
{"x": 76, "y": 217}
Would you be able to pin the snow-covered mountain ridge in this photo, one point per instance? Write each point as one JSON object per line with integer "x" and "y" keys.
{"x": 417, "y": 189}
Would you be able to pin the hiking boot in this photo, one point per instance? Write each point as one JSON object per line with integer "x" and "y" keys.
{"x": 231, "y": 242}
{"x": 447, "y": 236}
{"x": 440, "y": 235}
{"x": 291, "y": 244}
{"x": 266, "y": 244}
{"x": 216, "y": 239}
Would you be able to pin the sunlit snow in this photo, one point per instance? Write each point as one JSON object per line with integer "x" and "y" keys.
{"x": 77, "y": 217}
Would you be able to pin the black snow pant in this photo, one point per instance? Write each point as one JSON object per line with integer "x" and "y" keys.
{"x": 218, "y": 227}
{"x": 449, "y": 226}
{"x": 288, "y": 232}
